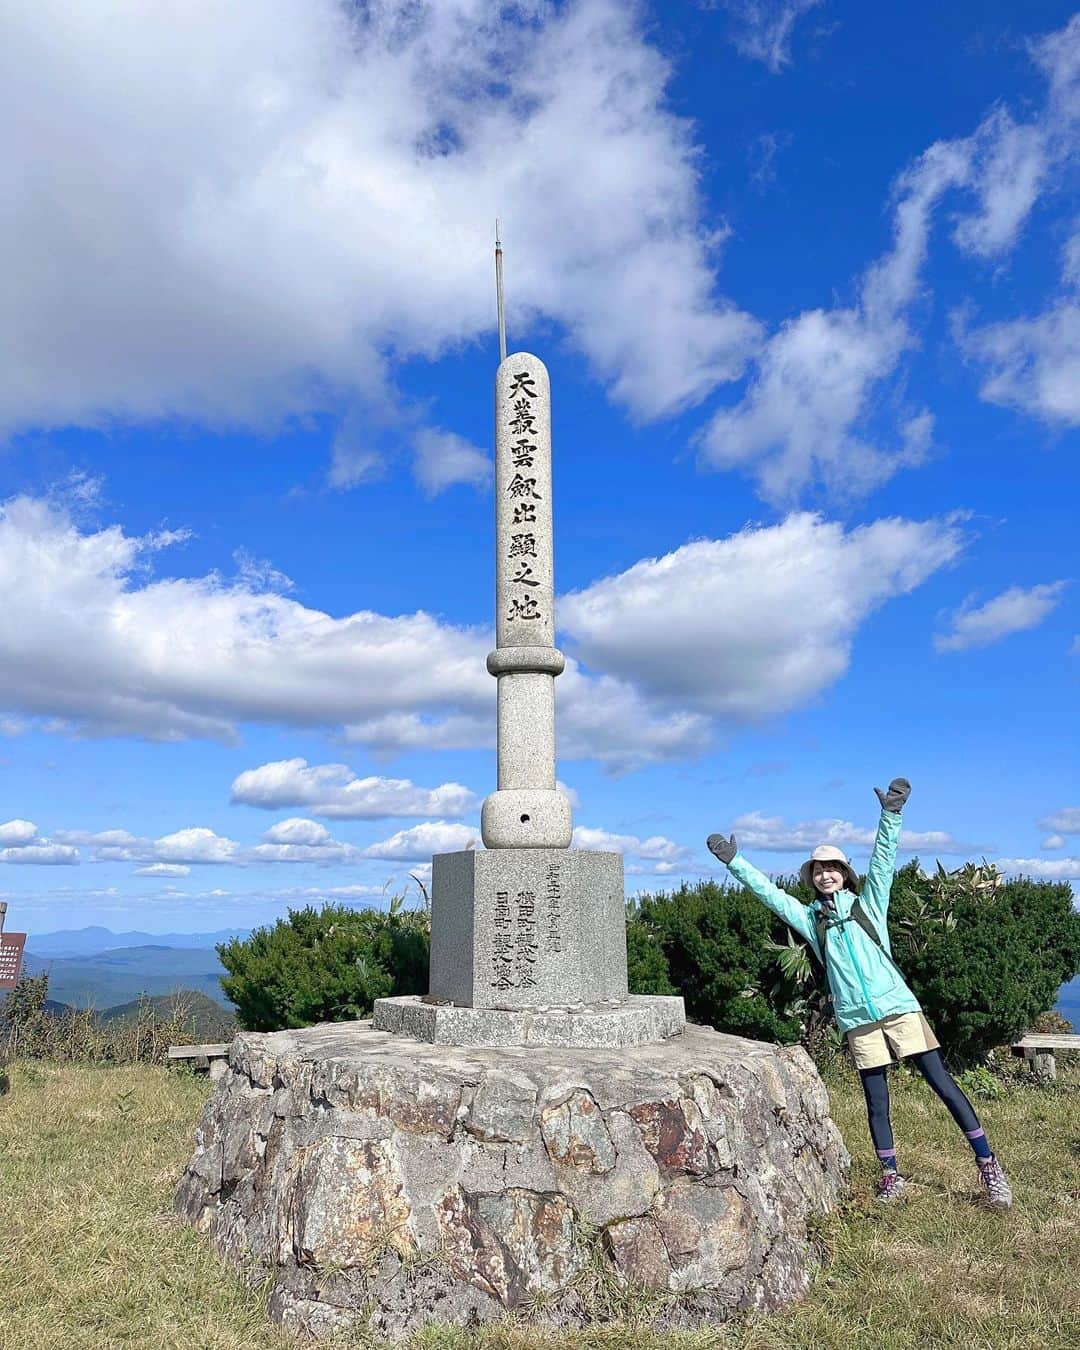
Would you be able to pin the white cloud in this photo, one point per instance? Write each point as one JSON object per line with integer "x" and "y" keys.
{"x": 419, "y": 842}
{"x": 828, "y": 385}
{"x": 163, "y": 870}
{"x": 1053, "y": 841}
{"x": 395, "y": 682}
{"x": 1065, "y": 821}
{"x": 774, "y": 835}
{"x": 1043, "y": 869}
{"x": 332, "y": 851}
{"x": 805, "y": 415}
{"x": 1033, "y": 364}
{"x": 334, "y": 792}
{"x": 442, "y": 459}
{"x": 1010, "y": 163}
{"x": 41, "y": 854}
{"x": 669, "y": 644}
{"x": 296, "y": 830}
{"x": 299, "y": 840}
{"x": 762, "y": 29}
{"x": 756, "y": 624}
{"x": 295, "y": 193}
{"x": 20, "y": 842}
{"x": 195, "y": 845}
{"x": 18, "y": 833}
{"x": 1013, "y": 611}
{"x": 656, "y": 848}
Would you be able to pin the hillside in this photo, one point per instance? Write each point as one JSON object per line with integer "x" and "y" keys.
{"x": 206, "y": 1019}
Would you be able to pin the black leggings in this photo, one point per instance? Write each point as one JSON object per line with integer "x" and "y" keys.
{"x": 876, "y": 1086}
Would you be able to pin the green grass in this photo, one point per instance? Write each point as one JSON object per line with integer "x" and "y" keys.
{"x": 91, "y": 1256}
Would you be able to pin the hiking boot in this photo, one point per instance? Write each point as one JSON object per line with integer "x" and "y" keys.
{"x": 891, "y": 1187}
{"x": 998, "y": 1191}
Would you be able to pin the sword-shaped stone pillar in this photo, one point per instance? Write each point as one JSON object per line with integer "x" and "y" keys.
{"x": 528, "y": 936}
{"x": 527, "y": 811}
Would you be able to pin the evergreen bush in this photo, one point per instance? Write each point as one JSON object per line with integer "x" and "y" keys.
{"x": 985, "y": 957}
{"x": 326, "y": 965}
{"x": 715, "y": 941}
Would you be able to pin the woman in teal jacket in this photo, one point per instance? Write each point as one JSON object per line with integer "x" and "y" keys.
{"x": 847, "y": 930}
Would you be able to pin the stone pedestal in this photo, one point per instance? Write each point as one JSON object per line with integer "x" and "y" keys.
{"x": 527, "y": 928}
{"x": 642, "y": 1020}
{"x": 385, "y": 1184}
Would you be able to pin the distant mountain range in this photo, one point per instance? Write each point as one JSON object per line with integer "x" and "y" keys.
{"x": 91, "y": 941}
{"x": 97, "y": 968}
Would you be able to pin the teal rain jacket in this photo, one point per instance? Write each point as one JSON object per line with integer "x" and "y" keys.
{"x": 865, "y": 982}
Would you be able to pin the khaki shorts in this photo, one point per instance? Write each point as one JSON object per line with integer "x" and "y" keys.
{"x": 894, "y": 1037}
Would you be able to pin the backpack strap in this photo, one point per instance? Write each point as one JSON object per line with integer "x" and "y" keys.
{"x": 821, "y": 926}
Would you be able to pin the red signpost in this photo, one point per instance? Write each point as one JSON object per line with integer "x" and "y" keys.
{"x": 11, "y": 950}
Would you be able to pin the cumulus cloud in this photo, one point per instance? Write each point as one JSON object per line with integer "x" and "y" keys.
{"x": 1044, "y": 869}
{"x": 656, "y": 848}
{"x": 774, "y": 835}
{"x": 714, "y": 628}
{"x": 762, "y": 29}
{"x": 334, "y": 792}
{"x": 820, "y": 408}
{"x": 42, "y": 854}
{"x": 721, "y": 626}
{"x": 1065, "y": 821}
{"x": 1013, "y": 611}
{"x": 296, "y": 830}
{"x": 195, "y": 845}
{"x": 20, "y": 842}
{"x": 1053, "y": 841}
{"x": 297, "y": 194}
{"x": 18, "y": 833}
{"x": 419, "y": 842}
{"x": 163, "y": 870}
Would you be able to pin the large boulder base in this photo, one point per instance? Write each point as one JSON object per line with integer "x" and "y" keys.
{"x": 388, "y": 1184}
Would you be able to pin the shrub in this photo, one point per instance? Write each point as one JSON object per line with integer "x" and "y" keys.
{"x": 984, "y": 957}
{"x": 646, "y": 965}
{"x": 716, "y": 944}
{"x": 29, "y": 1029}
{"x": 325, "y": 965}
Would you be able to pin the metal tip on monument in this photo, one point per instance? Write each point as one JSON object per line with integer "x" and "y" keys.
{"x": 499, "y": 294}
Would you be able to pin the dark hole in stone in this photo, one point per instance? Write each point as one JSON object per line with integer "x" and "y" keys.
{"x": 524, "y": 820}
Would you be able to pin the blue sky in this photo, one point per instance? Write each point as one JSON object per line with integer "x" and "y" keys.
{"x": 805, "y": 276}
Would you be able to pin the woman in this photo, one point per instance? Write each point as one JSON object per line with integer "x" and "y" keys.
{"x": 848, "y": 933}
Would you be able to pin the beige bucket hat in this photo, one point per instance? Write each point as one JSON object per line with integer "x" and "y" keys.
{"x": 827, "y": 853}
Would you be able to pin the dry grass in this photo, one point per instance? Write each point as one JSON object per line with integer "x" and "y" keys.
{"x": 90, "y": 1255}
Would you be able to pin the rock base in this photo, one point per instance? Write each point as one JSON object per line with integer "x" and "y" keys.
{"x": 640, "y": 1020}
{"x": 387, "y": 1184}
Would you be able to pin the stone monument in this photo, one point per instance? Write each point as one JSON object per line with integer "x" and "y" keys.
{"x": 527, "y": 1137}
{"x": 528, "y": 937}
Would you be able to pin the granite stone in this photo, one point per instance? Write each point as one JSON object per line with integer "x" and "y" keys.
{"x": 380, "y": 1184}
{"x": 640, "y": 1020}
{"x": 527, "y": 928}
{"x": 526, "y": 810}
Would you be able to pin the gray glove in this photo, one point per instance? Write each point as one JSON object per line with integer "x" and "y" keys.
{"x": 725, "y": 849}
{"x": 896, "y": 796}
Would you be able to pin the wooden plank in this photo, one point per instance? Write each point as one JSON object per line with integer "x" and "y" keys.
{"x": 1045, "y": 1040}
{"x": 198, "y": 1051}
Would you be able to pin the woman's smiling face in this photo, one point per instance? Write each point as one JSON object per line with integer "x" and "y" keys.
{"x": 828, "y": 877}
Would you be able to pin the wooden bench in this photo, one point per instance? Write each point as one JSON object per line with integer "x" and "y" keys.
{"x": 212, "y": 1058}
{"x": 1038, "y": 1049}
